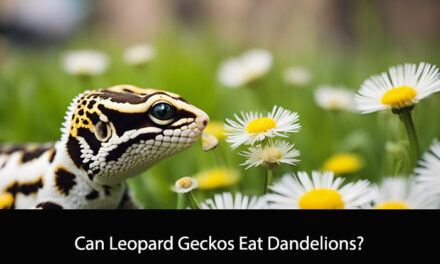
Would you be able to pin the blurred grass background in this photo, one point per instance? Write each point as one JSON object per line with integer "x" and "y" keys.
{"x": 340, "y": 42}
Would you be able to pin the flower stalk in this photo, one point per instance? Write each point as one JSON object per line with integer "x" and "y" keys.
{"x": 180, "y": 200}
{"x": 407, "y": 120}
{"x": 193, "y": 199}
{"x": 268, "y": 179}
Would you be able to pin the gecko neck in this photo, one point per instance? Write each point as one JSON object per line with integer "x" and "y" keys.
{"x": 71, "y": 187}
{"x": 62, "y": 159}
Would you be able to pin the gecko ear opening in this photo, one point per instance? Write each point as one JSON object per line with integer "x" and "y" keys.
{"x": 102, "y": 131}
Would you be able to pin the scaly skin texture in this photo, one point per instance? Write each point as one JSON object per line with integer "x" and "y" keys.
{"x": 108, "y": 136}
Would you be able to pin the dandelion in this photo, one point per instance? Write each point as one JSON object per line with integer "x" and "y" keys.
{"x": 343, "y": 163}
{"x": 271, "y": 155}
{"x": 335, "y": 98}
{"x": 184, "y": 186}
{"x": 322, "y": 191}
{"x": 238, "y": 201}
{"x": 428, "y": 172}
{"x": 298, "y": 76}
{"x": 399, "y": 90}
{"x": 250, "y": 66}
{"x": 6, "y": 200}
{"x": 402, "y": 193}
{"x": 252, "y": 127}
{"x": 140, "y": 54}
{"x": 85, "y": 62}
{"x": 217, "y": 178}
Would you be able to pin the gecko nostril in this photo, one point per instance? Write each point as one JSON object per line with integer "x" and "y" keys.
{"x": 205, "y": 122}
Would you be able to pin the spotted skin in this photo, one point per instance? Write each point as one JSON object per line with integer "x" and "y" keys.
{"x": 108, "y": 136}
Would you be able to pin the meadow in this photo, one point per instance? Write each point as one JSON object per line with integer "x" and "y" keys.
{"x": 35, "y": 92}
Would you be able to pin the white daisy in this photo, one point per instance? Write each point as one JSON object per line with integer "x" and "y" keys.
{"x": 139, "y": 54}
{"x": 271, "y": 155}
{"x": 227, "y": 201}
{"x": 401, "y": 87}
{"x": 85, "y": 62}
{"x": 185, "y": 184}
{"x": 298, "y": 76}
{"x": 323, "y": 191}
{"x": 428, "y": 174}
{"x": 252, "y": 127}
{"x": 335, "y": 98}
{"x": 253, "y": 64}
{"x": 402, "y": 193}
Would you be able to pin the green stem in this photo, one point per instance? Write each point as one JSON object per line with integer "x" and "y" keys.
{"x": 222, "y": 151}
{"x": 194, "y": 200}
{"x": 398, "y": 166}
{"x": 180, "y": 200}
{"x": 406, "y": 118}
{"x": 141, "y": 71}
{"x": 218, "y": 157}
{"x": 86, "y": 82}
{"x": 268, "y": 179}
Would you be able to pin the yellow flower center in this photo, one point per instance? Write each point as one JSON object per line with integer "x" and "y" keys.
{"x": 321, "y": 198}
{"x": 6, "y": 200}
{"x": 343, "y": 163}
{"x": 393, "y": 205}
{"x": 270, "y": 156}
{"x": 216, "y": 178}
{"x": 260, "y": 125}
{"x": 334, "y": 103}
{"x": 399, "y": 97}
{"x": 184, "y": 182}
{"x": 217, "y": 129}
{"x": 272, "y": 153}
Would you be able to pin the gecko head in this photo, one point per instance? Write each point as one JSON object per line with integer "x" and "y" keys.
{"x": 118, "y": 132}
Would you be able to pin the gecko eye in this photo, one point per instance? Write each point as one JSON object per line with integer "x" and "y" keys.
{"x": 162, "y": 113}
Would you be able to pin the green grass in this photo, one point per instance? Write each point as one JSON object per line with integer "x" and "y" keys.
{"x": 35, "y": 93}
